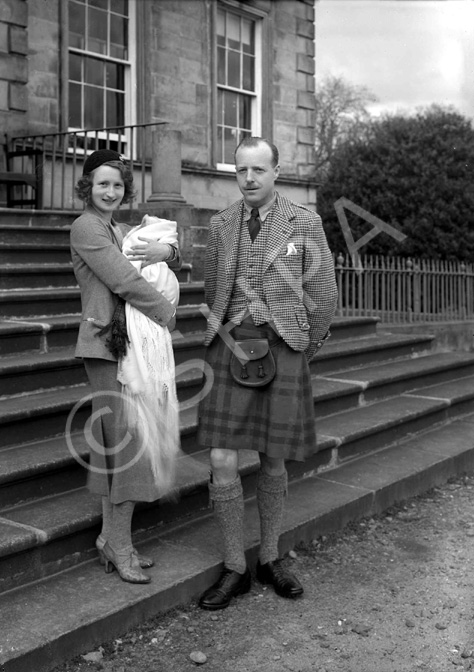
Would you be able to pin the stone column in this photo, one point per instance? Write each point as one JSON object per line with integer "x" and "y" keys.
{"x": 166, "y": 168}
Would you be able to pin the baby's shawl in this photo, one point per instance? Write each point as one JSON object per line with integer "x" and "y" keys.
{"x": 159, "y": 275}
{"x": 147, "y": 371}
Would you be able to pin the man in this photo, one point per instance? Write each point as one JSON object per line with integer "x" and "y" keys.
{"x": 269, "y": 274}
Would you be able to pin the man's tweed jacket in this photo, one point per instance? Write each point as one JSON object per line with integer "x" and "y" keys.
{"x": 103, "y": 273}
{"x": 299, "y": 284}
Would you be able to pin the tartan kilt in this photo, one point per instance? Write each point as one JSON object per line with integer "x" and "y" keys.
{"x": 277, "y": 419}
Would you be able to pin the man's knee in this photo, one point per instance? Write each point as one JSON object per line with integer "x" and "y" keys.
{"x": 224, "y": 465}
{"x": 272, "y": 466}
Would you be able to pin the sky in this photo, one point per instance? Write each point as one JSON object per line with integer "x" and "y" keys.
{"x": 409, "y": 53}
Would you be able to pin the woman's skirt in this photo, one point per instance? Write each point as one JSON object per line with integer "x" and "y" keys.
{"x": 277, "y": 419}
{"x": 119, "y": 467}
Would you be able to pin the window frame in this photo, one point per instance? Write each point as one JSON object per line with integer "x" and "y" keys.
{"x": 130, "y": 78}
{"x": 257, "y": 112}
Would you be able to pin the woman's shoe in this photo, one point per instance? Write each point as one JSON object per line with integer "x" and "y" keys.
{"x": 126, "y": 564}
{"x": 144, "y": 561}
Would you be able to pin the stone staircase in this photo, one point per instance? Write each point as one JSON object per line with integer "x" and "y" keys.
{"x": 374, "y": 394}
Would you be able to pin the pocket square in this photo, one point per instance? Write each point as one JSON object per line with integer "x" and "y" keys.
{"x": 291, "y": 250}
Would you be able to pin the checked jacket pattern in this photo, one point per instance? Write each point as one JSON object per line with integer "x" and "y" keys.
{"x": 299, "y": 283}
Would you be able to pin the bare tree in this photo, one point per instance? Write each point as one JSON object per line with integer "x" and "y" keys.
{"x": 341, "y": 115}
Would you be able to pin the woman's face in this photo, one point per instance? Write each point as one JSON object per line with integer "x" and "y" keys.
{"x": 108, "y": 190}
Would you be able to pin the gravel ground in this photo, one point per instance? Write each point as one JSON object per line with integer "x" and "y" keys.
{"x": 392, "y": 593}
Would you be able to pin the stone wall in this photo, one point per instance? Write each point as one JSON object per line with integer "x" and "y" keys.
{"x": 13, "y": 66}
{"x": 293, "y": 75}
{"x": 180, "y": 72}
{"x": 45, "y": 63}
{"x": 175, "y": 59}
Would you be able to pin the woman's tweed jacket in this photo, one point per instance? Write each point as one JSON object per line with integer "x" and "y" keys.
{"x": 103, "y": 273}
{"x": 298, "y": 273}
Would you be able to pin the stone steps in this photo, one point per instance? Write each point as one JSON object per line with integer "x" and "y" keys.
{"x": 33, "y": 252}
{"x": 44, "y": 235}
{"x": 365, "y": 351}
{"x": 21, "y": 276}
{"x": 342, "y": 436}
{"x": 45, "y": 333}
{"x": 43, "y": 301}
{"x": 77, "y": 609}
{"x": 385, "y": 407}
{"x": 331, "y": 395}
{"x": 32, "y": 378}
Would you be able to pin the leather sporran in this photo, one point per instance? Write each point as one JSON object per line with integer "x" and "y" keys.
{"x": 252, "y": 363}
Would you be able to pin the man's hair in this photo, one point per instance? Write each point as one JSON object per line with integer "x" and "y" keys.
{"x": 84, "y": 183}
{"x": 254, "y": 141}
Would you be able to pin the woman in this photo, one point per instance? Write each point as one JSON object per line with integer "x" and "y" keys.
{"x": 119, "y": 470}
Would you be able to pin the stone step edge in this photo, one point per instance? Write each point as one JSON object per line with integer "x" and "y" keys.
{"x": 30, "y": 362}
{"x": 193, "y": 377}
{"x": 190, "y": 555}
{"x": 56, "y": 399}
{"x": 334, "y": 435}
{"x": 191, "y": 339}
{"x": 37, "y": 267}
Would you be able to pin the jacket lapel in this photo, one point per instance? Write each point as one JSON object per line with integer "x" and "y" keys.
{"x": 117, "y": 233}
{"x": 280, "y": 231}
{"x": 230, "y": 235}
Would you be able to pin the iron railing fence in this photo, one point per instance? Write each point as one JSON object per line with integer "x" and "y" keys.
{"x": 64, "y": 155}
{"x": 404, "y": 290}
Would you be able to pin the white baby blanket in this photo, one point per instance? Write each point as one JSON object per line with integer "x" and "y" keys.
{"x": 147, "y": 372}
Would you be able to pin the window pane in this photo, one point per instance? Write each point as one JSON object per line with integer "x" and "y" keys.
{"x": 93, "y": 107}
{"x": 115, "y": 76}
{"x": 115, "y": 108}
{"x": 221, "y": 65}
{"x": 233, "y": 31}
{"x": 96, "y": 83}
{"x": 220, "y": 106}
{"x": 236, "y": 80}
{"x": 77, "y": 25}
{"x": 248, "y": 44}
{"x": 233, "y": 69}
{"x": 75, "y": 105}
{"x": 243, "y": 134}
{"x": 75, "y": 63}
{"x": 101, "y": 4}
{"x": 97, "y": 25}
{"x": 220, "y": 28}
{"x": 118, "y": 36}
{"x": 220, "y": 145}
{"x": 94, "y": 71}
{"x": 230, "y": 111}
{"x": 245, "y": 107}
{"x": 120, "y": 7}
{"x": 248, "y": 67}
{"x": 229, "y": 144}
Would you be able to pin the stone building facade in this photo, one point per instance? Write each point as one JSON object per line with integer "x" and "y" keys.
{"x": 212, "y": 69}
{"x": 173, "y": 73}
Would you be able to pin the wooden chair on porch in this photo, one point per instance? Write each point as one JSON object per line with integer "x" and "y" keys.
{"x": 17, "y": 181}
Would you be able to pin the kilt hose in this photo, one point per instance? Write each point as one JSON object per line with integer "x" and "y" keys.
{"x": 277, "y": 419}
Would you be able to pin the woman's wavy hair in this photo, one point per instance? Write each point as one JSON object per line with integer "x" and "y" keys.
{"x": 84, "y": 183}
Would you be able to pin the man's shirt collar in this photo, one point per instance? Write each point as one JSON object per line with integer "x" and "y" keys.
{"x": 262, "y": 211}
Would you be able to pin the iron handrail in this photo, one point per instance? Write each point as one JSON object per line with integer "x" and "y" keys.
{"x": 65, "y": 151}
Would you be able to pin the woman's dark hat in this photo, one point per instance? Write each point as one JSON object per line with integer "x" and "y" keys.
{"x": 99, "y": 157}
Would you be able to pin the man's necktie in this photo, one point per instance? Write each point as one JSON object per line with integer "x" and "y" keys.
{"x": 254, "y": 224}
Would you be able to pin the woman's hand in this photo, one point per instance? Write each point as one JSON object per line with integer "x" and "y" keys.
{"x": 149, "y": 252}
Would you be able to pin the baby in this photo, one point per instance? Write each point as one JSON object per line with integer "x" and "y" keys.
{"x": 159, "y": 275}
